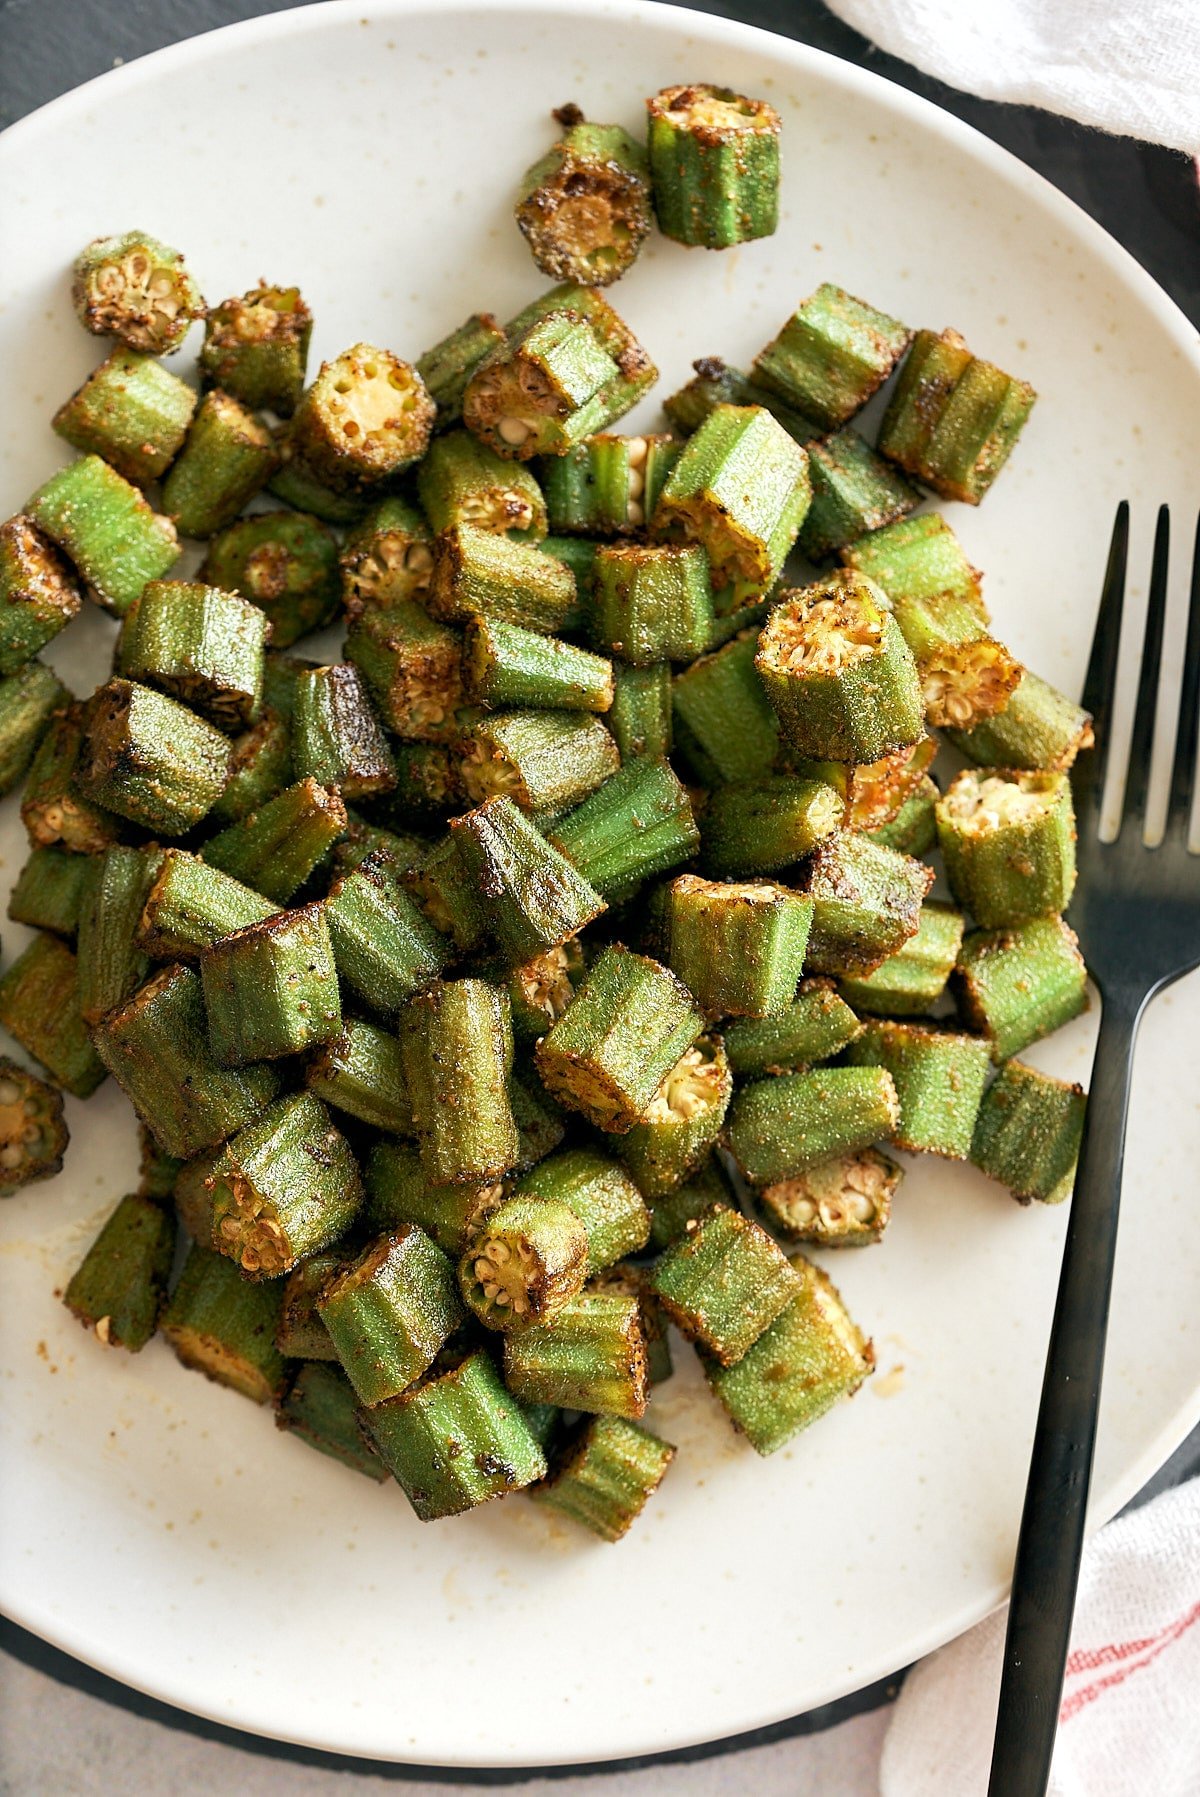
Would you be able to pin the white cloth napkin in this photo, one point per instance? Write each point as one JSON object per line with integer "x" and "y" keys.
{"x": 1130, "y": 1719}
{"x": 1128, "y": 66}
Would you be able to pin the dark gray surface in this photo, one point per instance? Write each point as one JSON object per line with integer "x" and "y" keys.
{"x": 1145, "y": 196}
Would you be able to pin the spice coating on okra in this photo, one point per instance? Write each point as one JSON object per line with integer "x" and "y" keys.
{"x": 544, "y": 390}
{"x": 761, "y": 826}
{"x": 361, "y": 1071}
{"x": 133, "y": 412}
{"x": 39, "y": 594}
{"x": 478, "y": 573}
{"x": 190, "y": 906}
{"x": 301, "y": 1334}
{"x": 535, "y": 899}
{"x": 449, "y": 365}
{"x": 866, "y": 903}
{"x": 413, "y": 669}
{"x": 138, "y": 289}
{"x": 112, "y": 964}
{"x": 607, "y": 485}
{"x": 390, "y": 1312}
{"x": 150, "y": 759}
{"x": 200, "y": 645}
{"x": 387, "y": 558}
{"x": 953, "y": 418}
{"x": 939, "y": 1077}
{"x": 781, "y": 1127}
{"x": 840, "y": 1203}
{"x": 320, "y": 1407}
{"x": 651, "y": 602}
{"x": 813, "y": 1027}
{"x": 591, "y": 1356}
{"x": 504, "y": 664}
{"x": 604, "y": 1475}
{"x": 229, "y": 455}
{"x": 53, "y": 809}
{"x": 384, "y": 946}
{"x": 714, "y": 159}
{"x": 831, "y": 355}
{"x": 33, "y": 1135}
{"x": 271, "y": 988}
{"x": 682, "y": 1120}
{"x": 637, "y": 824}
{"x": 458, "y": 1055}
{"x": 640, "y": 717}
{"x": 28, "y": 701}
{"x": 367, "y": 416}
{"x": 729, "y": 728}
{"x": 723, "y": 1282}
{"x": 528, "y": 1257}
{"x": 715, "y": 384}
{"x": 336, "y": 736}
{"x": 256, "y": 348}
{"x": 739, "y": 948}
{"x": 584, "y": 207}
{"x": 1028, "y": 1133}
{"x": 39, "y": 1006}
{"x": 913, "y": 830}
{"x": 279, "y": 845}
{"x": 120, "y": 1288}
{"x": 1008, "y": 842}
{"x": 106, "y": 529}
{"x": 541, "y": 760}
{"x": 854, "y": 491}
{"x": 48, "y": 889}
{"x": 872, "y": 792}
{"x": 603, "y": 1197}
{"x": 1017, "y": 985}
{"x": 224, "y": 1326}
{"x": 910, "y": 982}
{"x": 461, "y": 481}
{"x": 285, "y": 563}
{"x": 399, "y": 1192}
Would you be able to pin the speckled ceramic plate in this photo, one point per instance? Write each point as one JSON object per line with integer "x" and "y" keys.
{"x": 159, "y": 1527}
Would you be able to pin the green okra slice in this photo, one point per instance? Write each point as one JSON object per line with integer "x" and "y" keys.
{"x": 526, "y": 1259}
{"x": 637, "y": 824}
{"x": 682, "y": 1121}
{"x": 872, "y": 792}
{"x": 150, "y": 759}
{"x": 831, "y": 355}
{"x": 387, "y": 559}
{"x": 641, "y": 716}
{"x": 739, "y": 948}
{"x": 651, "y": 602}
{"x": 456, "y": 1439}
{"x": 361, "y": 1071}
{"x": 384, "y": 946}
{"x": 224, "y": 1326}
{"x": 39, "y": 1006}
{"x": 301, "y": 1334}
{"x": 137, "y": 288}
{"x": 913, "y": 830}
{"x": 449, "y": 365}
{"x": 53, "y": 809}
{"x": 781, "y": 1127}
{"x": 119, "y": 1289}
{"x": 921, "y": 566}
{"x": 541, "y": 988}
{"x": 336, "y": 736}
{"x": 283, "y": 1188}
{"x": 448, "y": 897}
{"x": 1028, "y": 1133}
{"x": 759, "y": 826}
{"x": 540, "y": 1125}
{"x": 458, "y": 1053}
{"x": 507, "y": 665}
{"x": 190, "y": 905}
{"x": 541, "y": 760}
{"x": 133, "y": 412}
{"x": 853, "y": 491}
{"x": 584, "y": 207}
{"x": 723, "y": 1282}
{"x": 271, "y": 988}
{"x": 106, "y": 529}
{"x": 607, "y": 485}
{"x": 320, "y": 1407}
{"x": 839, "y": 674}
{"x": 156, "y": 1048}
{"x": 714, "y": 160}
{"x": 39, "y": 594}
{"x": 811, "y": 1357}
{"x": 479, "y": 573}
{"x": 33, "y": 1135}
{"x": 294, "y": 482}
{"x": 285, "y": 563}
{"x": 910, "y": 982}
{"x": 366, "y": 417}
{"x": 545, "y": 389}
{"x": 1039, "y": 728}
{"x": 256, "y": 348}
{"x": 28, "y": 701}
{"x": 111, "y": 966}
{"x": 48, "y": 891}
{"x": 815, "y": 1026}
{"x": 636, "y": 373}
{"x": 157, "y": 1170}
{"x": 194, "y": 1196}
{"x": 461, "y": 481}
{"x": 400, "y": 1192}
{"x": 1017, "y": 985}
{"x": 601, "y": 1194}
{"x": 591, "y": 1356}
{"x": 630, "y": 1281}
{"x": 260, "y": 766}
{"x": 939, "y": 1077}
{"x": 413, "y": 669}
{"x": 1008, "y": 842}
{"x": 727, "y": 727}
{"x": 390, "y": 1312}
{"x": 953, "y": 418}
{"x": 228, "y": 457}
{"x": 626, "y": 1027}
{"x": 200, "y": 645}
{"x": 535, "y": 899}
{"x": 278, "y": 846}
{"x": 845, "y": 1202}
{"x": 672, "y": 1211}
{"x": 866, "y": 903}
{"x": 604, "y": 1475}
{"x": 715, "y": 384}
{"x": 740, "y": 489}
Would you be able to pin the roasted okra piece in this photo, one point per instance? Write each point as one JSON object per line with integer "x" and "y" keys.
{"x": 910, "y": 982}
{"x": 831, "y": 355}
{"x": 759, "y": 826}
{"x": 840, "y": 1203}
{"x": 202, "y": 646}
{"x": 285, "y": 563}
{"x": 256, "y": 348}
{"x": 839, "y": 674}
{"x": 603, "y": 1197}
{"x": 626, "y": 1027}
{"x": 39, "y": 594}
{"x": 48, "y": 891}
{"x": 294, "y": 482}
{"x": 400, "y": 1192}
{"x": 590, "y": 1356}
{"x": 285, "y": 1187}
{"x": 727, "y": 726}
{"x": 740, "y": 489}
{"x": 1017, "y": 985}
{"x": 604, "y": 1475}
{"x": 723, "y": 1282}
{"x": 138, "y": 289}
{"x": 336, "y": 736}
{"x": 224, "y": 1326}
{"x": 853, "y": 491}
{"x": 458, "y": 1051}
{"x": 813, "y": 1027}
{"x": 640, "y": 716}
{"x": 150, "y": 759}
{"x": 1039, "y": 728}
{"x": 715, "y": 384}
{"x": 872, "y": 792}
{"x": 462, "y": 481}
{"x": 867, "y": 903}
{"x": 119, "y": 1289}
{"x": 133, "y": 412}
{"x": 361, "y": 1071}
{"x": 28, "y": 700}
{"x": 260, "y": 766}
{"x": 449, "y": 365}
{"x": 156, "y": 1048}
{"x": 448, "y": 897}
{"x": 526, "y": 1260}
{"x": 714, "y": 159}
{"x": 106, "y": 529}
{"x": 651, "y": 602}
{"x": 584, "y": 207}
{"x": 366, "y": 417}
{"x": 478, "y": 573}
{"x": 939, "y": 1077}
{"x": 738, "y": 948}
{"x": 384, "y": 946}
{"x": 549, "y": 387}
{"x": 630, "y": 1281}
{"x": 607, "y": 485}
{"x": 33, "y": 1136}
{"x": 111, "y": 964}
{"x": 781, "y": 1127}
{"x": 635, "y": 372}
{"x": 1028, "y": 1133}
{"x": 456, "y": 1439}
{"x": 965, "y": 682}
{"x": 53, "y": 809}
{"x": 301, "y": 1334}
{"x": 320, "y": 1407}
{"x": 812, "y": 1356}
{"x": 387, "y": 559}
{"x": 505, "y": 664}
{"x": 913, "y": 830}
{"x": 682, "y": 1121}
{"x": 271, "y": 989}
{"x": 541, "y": 760}
{"x": 953, "y": 418}
{"x": 405, "y": 850}
{"x": 921, "y": 566}
{"x": 39, "y": 1006}
{"x": 578, "y": 555}
{"x": 1008, "y": 842}
{"x": 390, "y": 1312}
{"x": 541, "y": 988}
{"x": 671, "y": 1213}
{"x": 190, "y": 905}
{"x": 638, "y": 824}
{"x": 539, "y": 1121}
{"x": 278, "y": 846}
{"x": 535, "y": 899}
{"x": 228, "y": 457}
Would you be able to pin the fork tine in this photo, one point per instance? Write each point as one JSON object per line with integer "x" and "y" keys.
{"x": 1141, "y": 747}
{"x": 1100, "y": 680}
{"x": 1183, "y": 772}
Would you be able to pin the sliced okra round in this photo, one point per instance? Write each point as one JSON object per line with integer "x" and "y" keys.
{"x": 529, "y": 1257}
{"x": 33, "y": 1135}
{"x": 367, "y": 416}
{"x": 138, "y": 289}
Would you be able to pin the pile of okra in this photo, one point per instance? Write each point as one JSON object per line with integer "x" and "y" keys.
{"x": 512, "y": 987}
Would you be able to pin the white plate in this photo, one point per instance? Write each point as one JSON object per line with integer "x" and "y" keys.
{"x": 158, "y": 1527}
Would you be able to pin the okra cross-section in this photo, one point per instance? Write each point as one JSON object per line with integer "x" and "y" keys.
{"x": 541, "y": 760}
{"x": 33, "y": 1136}
{"x": 723, "y": 1282}
{"x": 866, "y": 903}
{"x": 527, "y": 1258}
{"x": 584, "y": 207}
{"x": 367, "y": 416}
{"x": 53, "y": 808}
{"x": 953, "y": 418}
{"x": 458, "y": 1052}
{"x": 781, "y": 1127}
{"x": 150, "y": 759}
{"x": 591, "y": 1357}
{"x": 106, "y": 529}
{"x": 390, "y": 1312}
{"x": 462, "y": 481}
{"x": 449, "y": 365}
{"x": 271, "y": 989}
{"x": 625, "y": 1028}
{"x": 138, "y": 289}
{"x": 714, "y": 159}
{"x": 682, "y": 1121}
{"x": 603, "y": 1477}
{"x": 840, "y": 1203}
{"x": 535, "y": 898}
{"x": 120, "y": 1288}
{"x": 1008, "y": 841}
{"x": 283, "y": 562}
{"x": 39, "y": 1006}
{"x": 603, "y": 1197}
{"x": 39, "y": 593}
{"x": 399, "y": 1192}
{"x": 384, "y": 946}
{"x": 1038, "y": 728}
{"x": 738, "y": 948}
{"x": 256, "y": 347}
{"x": 1028, "y": 1132}
{"x": 939, "y": 1077}
{"x": 831, "y": 355}
{"x": 200, "y": 645}
{"x": 1017, "y": 985}
{"x": 224, "y": 1326}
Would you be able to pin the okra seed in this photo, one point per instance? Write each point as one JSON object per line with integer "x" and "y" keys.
{"x": 11, "y": 1155}
{"x": 513, "y": 430}
{"x": 103, "y": 1326}
{"x": 9, "y": 1093}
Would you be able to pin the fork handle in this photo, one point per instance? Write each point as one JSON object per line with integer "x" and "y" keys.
{"x": 1046, "y": 1571}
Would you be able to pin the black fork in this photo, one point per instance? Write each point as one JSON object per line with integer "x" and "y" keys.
{"x": 1137, "y": 913}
